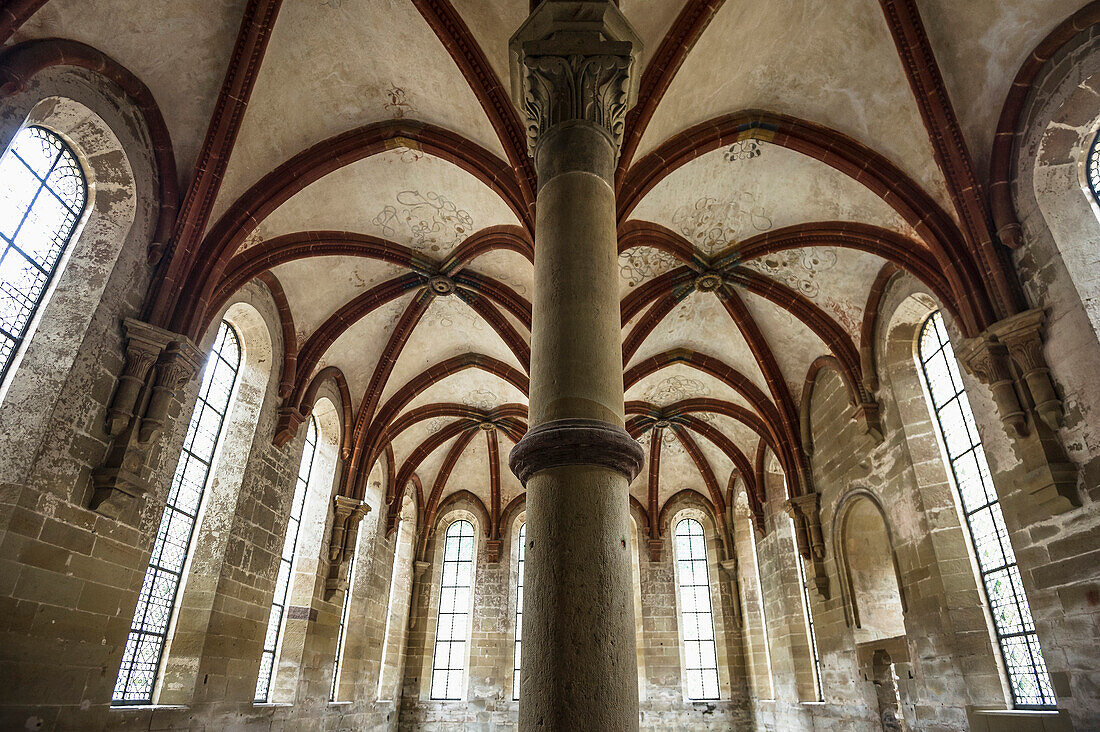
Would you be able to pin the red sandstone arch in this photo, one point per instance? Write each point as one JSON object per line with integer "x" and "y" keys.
{"x": 21, "y": 62}
{"x": 188, "y": 286}
{"x": 842, "y": 153}
{"x": 290, "y": 335}
{"x": 1008, "y": 125}
{"x": 309, "y": 399}
{"x": 367, "y": 442}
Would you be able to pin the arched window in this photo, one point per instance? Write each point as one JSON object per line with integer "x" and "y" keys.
{"x": 286, "y": 567}
{"x": 519, "y": 610}
{"x": 1092, "y": 168}
{"x": 696, "y": 615}
{"x": 452, "y": 630}
{"x": 997, "y": 569}
{"x": 42, "y": 197}
{"x": 156, "y": 605}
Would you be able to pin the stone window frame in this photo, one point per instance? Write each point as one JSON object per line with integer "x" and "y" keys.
{"x": 905, "y": 305}
{"x": 945, "y": 349}
{"x": 306, "y": 570}
{"x": 281, "y": 605}
{"x": 252, "y": 315}
{"x": 405, "y": 536}
{"x": 107, "y": 250}
{"x": 718, "y": 607}
{"x": 679, "y": 583}
{"x": 744, "y": 532}
{"x": 439, "y": 541}
{"x": 209, "y": 476}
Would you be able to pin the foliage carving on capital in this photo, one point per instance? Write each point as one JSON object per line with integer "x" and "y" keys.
{"x": 346, "y": 515}
{"x": 564, "y": 88}
{"x": 987, "y": 359}
{"x": 575, "y": 60}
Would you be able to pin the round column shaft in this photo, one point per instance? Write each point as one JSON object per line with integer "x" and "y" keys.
{"x": 579, "y": 661}
{"x": 572, "y": 64}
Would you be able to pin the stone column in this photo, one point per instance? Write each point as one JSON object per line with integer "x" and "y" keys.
{"x": 573, "y": 76}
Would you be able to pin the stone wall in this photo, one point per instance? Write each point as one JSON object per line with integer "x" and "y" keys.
{"x": 490, "y": 704}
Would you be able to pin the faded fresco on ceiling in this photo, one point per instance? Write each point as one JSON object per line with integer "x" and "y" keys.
{"x": 434, "y": 221}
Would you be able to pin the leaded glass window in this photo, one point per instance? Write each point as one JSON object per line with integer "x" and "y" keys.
{"x": 157, "y": 602}
{"x": 286, "y": 567}
{"x": 969, "y": 471}
{"x": 519, "y": 610}
{"x": 696, "y": 615}
{"x": 811, "y": 631}
{"x": 452, "y": 630}
{"x": 1093, "y": 168}
{"x": 42, "y": 196}
{"x": 341, "y": 636}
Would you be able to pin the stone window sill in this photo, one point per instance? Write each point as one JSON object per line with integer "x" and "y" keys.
{"x": 272, "y": 704}
{"x": 340, "y": 703}
{"x": 147, "y": 707}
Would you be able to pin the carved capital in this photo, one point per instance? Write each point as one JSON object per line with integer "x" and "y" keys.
{"x": 729, "y": 569}
{"x": 805, "y": 510}
{"x": 346, "y": 515}
{"x": 177, "y": 364}
{"x": 144, "y": 344}
{"x": 576, "y": 442}
{"x": 575, "y": 61}
{"x": 987, "y": 359}
{"x": 1022, "y": 335}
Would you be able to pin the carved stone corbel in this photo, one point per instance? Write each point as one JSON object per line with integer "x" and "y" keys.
{"x": 805, "y": 511}
{"x": 1022, "y": 336}
{"x": 420, "y": 568}
{"x": 346, "y": 515}
{"x": 144, "y": 344}
{"x": 656, "y": 547}
{"x": 988, "y": 360}
{"x": 157, "y": 364}
{"x": 288, "y": 421}
{"x": 1017, "y": 341}
{"x": 175, "y": 367}
{"x": 493, "y": 549}
{"x": 869, "y": 414}
{"x": 729, "y": 569}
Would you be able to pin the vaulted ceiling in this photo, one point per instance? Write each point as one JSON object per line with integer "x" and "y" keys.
{"x": 376, "y": 179}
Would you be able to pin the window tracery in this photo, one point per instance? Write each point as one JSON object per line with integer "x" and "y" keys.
{"x": 286, "y": 567}
{"x": 1092, "y": 168}
{"x": 42, "y": 198}
{"x": 452, "y": 629}
{"x": 157, "y": 602}
{"x": 998, "y": 572}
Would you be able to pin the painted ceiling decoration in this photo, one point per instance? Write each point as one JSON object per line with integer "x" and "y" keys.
{"x": 373, "y": 174}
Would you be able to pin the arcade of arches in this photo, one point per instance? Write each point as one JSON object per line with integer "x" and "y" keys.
{"x": 572, "y": 364}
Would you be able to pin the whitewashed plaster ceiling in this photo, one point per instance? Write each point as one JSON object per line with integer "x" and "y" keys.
{"x": 193, "y": 40}
{"x": 336, "y": 65}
